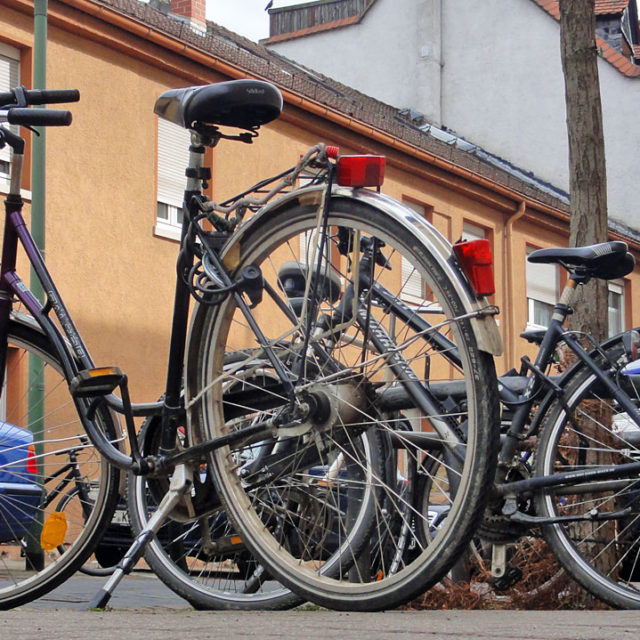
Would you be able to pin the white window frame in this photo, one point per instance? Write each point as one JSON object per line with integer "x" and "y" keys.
{"x": 9, "y": 78}
{"x": 542, "y": 286}
{"x": 173, "y": 159}
{"x": 413, "y": 285}
{"x": 616, "y": 287}
{"x": 472, "y": 231}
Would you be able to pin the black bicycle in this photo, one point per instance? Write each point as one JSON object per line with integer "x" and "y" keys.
{"x": 569, "y": 455}
{"x": 276, "y": 434}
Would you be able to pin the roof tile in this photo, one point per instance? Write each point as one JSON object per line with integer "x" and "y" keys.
{"x": 610, "y": 6}
{"x": 254, "y": 60}
{"x": 606, "y": 50}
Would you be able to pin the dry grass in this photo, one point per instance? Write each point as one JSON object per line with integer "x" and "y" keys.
{"x": 534, "y": 591}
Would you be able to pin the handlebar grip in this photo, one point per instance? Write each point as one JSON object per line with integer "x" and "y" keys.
{"x": 52, "y": 96}
{"x": 39, "y": 117}
{"x": 7, "y": 97}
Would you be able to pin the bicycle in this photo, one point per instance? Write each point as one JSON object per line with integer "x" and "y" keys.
{"x": 568, "y": 460}
{"x": 293, "y": 438}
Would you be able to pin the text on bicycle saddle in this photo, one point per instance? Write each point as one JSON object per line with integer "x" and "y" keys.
{"x": 607, "y": 260}
{"x": 246, "y": 104}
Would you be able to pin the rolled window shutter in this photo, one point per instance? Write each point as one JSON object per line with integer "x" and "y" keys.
{"x": 173, "y": 159}
{"x": 9, "y": 78}
{"x": 413, "y": 287}
{"x": 412, "y": 284}
{"x": 542, "y": 282}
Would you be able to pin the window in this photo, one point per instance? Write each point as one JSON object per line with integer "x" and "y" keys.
{"x": 616, "y": 307}
{"x": 9, "y": 78}
{"x": 542, "y": 292}
{"x": 473, "y": 232}
{"x": 413, "y": 286}
{"x": 173, "y": 159}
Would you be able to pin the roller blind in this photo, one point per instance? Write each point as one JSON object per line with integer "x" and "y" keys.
{"x": 173, "y": 159}
{"x": 9, "y": 78}
{"x": 412, "y": 284}
{"x": 542, "y": 282}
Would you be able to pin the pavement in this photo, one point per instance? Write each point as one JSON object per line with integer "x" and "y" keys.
{"x": 142, "y": 608}
{"x": 61, "y": 624}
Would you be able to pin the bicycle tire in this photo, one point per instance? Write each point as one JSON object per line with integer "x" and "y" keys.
{"x": 343, "y": 576}
{"x": 62, "y": 431}
{"x": 587, "y": 428}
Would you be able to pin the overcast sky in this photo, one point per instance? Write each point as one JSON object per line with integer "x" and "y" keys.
{"x": 246, "y": 17}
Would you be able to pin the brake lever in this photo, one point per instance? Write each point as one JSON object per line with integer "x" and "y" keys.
{"x": 21, "y": 97}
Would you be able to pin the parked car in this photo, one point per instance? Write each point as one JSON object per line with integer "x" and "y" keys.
{"x": 19, "y": 494}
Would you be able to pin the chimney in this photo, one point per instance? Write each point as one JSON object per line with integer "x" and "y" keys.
{"x": 191, "y": 11}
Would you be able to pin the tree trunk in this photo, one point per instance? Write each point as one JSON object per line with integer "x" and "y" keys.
{"x": 588, "y": 181}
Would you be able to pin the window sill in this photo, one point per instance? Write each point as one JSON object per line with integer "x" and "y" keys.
{"x": 4, "y": 191}
{"x": 169, "y": 231}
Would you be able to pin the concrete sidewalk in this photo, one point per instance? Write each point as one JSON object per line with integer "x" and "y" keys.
{"x": 143, "y": 608}
{"x": 175, "y": 624}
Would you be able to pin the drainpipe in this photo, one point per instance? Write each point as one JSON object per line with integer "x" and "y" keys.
{"x": 428, "y": 89}
{"x": 34, "y": 556}
{"x": 509, "y": 297}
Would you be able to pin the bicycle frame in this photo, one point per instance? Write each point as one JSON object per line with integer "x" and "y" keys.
{"x": 68, "y": 343}
{"x": 554, "y": 335}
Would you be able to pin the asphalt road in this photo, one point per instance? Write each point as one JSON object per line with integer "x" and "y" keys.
{"x": 143, "y": 608}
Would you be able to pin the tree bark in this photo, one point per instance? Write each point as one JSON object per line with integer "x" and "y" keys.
{"x": 588, "y": 180}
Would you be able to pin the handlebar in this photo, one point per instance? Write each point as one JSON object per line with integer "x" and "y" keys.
{"x": 21, "y": 97}
{"x": 39, "y": 117}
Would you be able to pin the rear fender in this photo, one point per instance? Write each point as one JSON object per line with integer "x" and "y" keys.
{"x": 481, "y": 311}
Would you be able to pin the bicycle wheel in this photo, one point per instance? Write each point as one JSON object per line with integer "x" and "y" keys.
{"x": 336, "y": 331}
{"x": 201, "y": 558}
{"x": 41, "y": 545}
{"x": 601, "y": 551}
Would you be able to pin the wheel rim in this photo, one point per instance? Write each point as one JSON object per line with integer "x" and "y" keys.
{"x": 604, "y": 556}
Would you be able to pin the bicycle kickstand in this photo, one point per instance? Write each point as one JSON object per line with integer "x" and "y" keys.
{"x": 180, "y": 484}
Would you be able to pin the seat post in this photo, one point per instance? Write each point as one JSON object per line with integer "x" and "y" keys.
{"x": 196, "y": 161}
{"x": 172, "y": 408}
{"x": 567, "y": 298}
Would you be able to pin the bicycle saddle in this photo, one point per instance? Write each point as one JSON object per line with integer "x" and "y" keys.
{"x": 606, "y": 261}
{"x": 246, "y": 104}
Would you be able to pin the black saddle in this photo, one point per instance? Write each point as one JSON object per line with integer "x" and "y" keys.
{"x": 606, "y": 261}
{"x": 245, "y": 104}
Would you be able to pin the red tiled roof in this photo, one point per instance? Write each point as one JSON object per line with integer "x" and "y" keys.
{"x": 604, "y": 7}
{"x": 606, "y": 51}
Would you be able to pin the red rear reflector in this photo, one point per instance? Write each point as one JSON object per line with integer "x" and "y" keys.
{"x": 360, "y": 171}
{"x": 332, "y": 152}
{"x": 477, "y": 263}
{"x": 32, "y": 465}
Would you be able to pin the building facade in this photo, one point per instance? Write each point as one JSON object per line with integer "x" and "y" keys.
{"x": 488, "y": 71}
{"x": 110, "y": 218}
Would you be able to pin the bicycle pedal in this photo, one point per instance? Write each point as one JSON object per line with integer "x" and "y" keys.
{"x": 96, "y": 382}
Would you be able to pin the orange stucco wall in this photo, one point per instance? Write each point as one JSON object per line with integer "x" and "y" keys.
{"x": 117, "y": 277}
